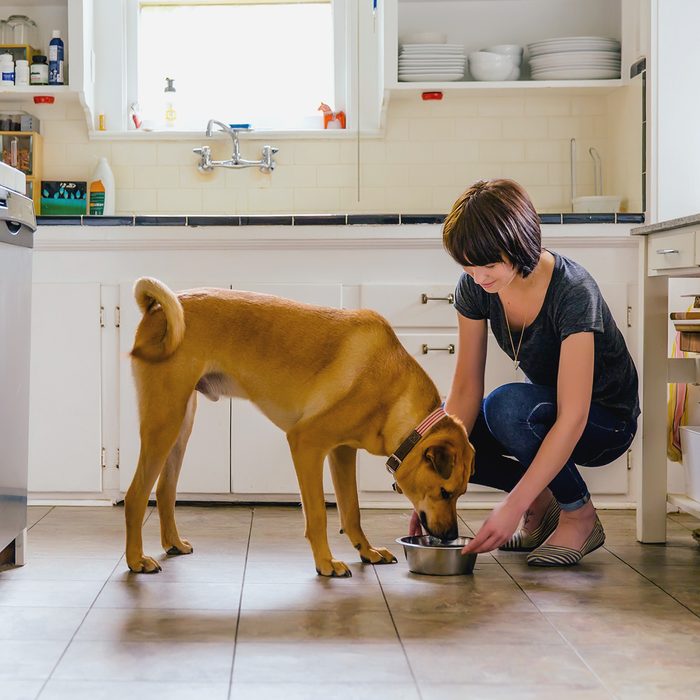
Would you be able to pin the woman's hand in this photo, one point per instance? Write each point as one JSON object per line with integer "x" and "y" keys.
{"x": 497, "y": 529}
{"x": 414, "y": 527}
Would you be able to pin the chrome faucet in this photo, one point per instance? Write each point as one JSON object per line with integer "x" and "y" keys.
{"x": 266, "y": 163}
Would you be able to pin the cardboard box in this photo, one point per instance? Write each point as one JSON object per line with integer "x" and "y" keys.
{"x": 63, "y": 197}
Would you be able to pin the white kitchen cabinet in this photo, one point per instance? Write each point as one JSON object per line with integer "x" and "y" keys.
{"x": 477, "y": 24}
{"x": 207, "y": 464}
{"x": 65, "y": 431}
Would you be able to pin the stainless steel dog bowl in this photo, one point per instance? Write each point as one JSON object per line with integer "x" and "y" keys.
{"x": 435, "y": 557}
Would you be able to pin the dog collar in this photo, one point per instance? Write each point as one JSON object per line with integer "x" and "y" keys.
{"x": 395, "y": 460}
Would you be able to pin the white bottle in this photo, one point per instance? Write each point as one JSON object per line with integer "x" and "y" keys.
{"x": 21, "y": 72}
{"x": 103, "y": 173}
{"x": 7, "y": 70}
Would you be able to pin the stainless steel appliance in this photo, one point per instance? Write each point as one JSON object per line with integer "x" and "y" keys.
{"x": 17, "y": 226}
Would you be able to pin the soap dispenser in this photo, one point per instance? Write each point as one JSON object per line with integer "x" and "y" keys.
{"x": 169, "y": 106}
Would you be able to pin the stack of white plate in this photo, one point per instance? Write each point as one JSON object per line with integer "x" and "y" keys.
{"x": 431, "y": 62}
{"x": 575, "y": 58}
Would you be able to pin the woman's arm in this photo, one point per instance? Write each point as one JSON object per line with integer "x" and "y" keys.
{"x": 467, "y": 390}
{"x": 574, "y": 390}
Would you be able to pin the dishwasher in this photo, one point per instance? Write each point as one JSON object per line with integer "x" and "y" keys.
{"x": 17, "y": 227}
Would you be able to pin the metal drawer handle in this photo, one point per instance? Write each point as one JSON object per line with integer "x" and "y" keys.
{"x": 450, "y": 349}
{"x": 424, "y": 298}
{"x": 667, "y": 251}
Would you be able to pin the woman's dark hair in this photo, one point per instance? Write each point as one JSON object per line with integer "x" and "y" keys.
{"x": 492, "y": 221}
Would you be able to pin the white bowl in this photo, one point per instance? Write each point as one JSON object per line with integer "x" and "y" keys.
{"x": 490, "y": 66}
{"x": 514, "y": 74}
{"x": 424, "y": 38}
{"x": 512, "y": 50}
{"x": 596, "y": 204}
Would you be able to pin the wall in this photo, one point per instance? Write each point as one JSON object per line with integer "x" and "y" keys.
{"x": 429, "y": 153}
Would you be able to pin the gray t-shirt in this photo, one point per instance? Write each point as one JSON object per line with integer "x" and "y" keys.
{"x": 573, "y": 304}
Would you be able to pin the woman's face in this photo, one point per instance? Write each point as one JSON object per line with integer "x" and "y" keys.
{"x": 493, "y": 277}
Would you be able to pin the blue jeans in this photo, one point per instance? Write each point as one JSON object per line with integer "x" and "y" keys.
{"x": 514, "y": 420}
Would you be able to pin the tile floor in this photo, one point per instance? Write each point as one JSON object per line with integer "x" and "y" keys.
{"x": 246, "y": 617}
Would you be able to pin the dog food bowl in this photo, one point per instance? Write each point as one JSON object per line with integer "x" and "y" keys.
{"x": 434, "y": 557}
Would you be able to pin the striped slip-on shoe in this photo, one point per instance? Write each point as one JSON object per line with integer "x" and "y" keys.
{"x": 554, "y": 555}
{"x": 524, "y": 541}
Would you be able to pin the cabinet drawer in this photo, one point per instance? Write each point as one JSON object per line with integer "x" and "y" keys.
{"x": 412, "y": 305}
{"x": 668, "y": 251}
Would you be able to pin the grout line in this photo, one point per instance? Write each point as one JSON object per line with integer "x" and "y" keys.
{"x": 398, "y": 636}
{"x": 240, "y": 601}
{"x": 51, "y": 508}
{"x": 89, "y": 610}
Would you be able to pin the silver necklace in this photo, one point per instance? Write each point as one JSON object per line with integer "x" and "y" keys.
{"x": 516, "y": 353}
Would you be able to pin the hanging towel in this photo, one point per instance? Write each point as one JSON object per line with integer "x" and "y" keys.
{"x": 677, "y": 409}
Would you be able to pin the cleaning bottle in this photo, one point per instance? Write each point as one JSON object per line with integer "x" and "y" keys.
{"x": 169, "y": 111}
{"x": 56, "y": 59}
{"x": 101, "y": 195}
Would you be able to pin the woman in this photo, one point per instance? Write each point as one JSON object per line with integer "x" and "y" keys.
{"x": 580, "y": 404}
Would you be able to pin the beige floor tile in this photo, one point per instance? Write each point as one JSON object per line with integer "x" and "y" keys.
{"x": 292, "y": 570}
{"x": 322, "y": 594}
{"x": 50, "y": 569}
{"x": 115, "y": 660}
{"x": 174, "y": 626}
{"x": 399, "y": 574}
{"x": 539, "y": 691}
{"x": 476, "y": 627}
{"x": 141, "y": 593}
{"x": 473, "y": 594}
{"x": 20, "y": 690}
{"x": 190, "y": 568}
{"x": 314, "y": 663}
{"x": 356, "y": 690}
{"x": 49, "y": 594}
{"x": 36, "y": 513}
{"x": 335, "y": 627}
{"x": 119, "y": 690}
{"x": 28, "y": 660}
{"x": 505, "y": 664}
{"x": 656, "y": 691}
{"x": 40, "y": 624}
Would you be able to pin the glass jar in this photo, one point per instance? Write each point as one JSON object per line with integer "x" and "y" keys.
{"x": 6, "y": 35}
{"x": 24, "y": 30}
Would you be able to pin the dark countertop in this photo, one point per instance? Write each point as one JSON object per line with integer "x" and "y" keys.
{"x": 668, "y": 225}
{"x": 312, "y": 219}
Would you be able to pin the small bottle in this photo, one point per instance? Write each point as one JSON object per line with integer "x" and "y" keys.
{"x": 101, "y": 190}
{"x": 7, "y": 70}
{"x": 21, "y": 72}
{"x": 170, "y": 97}
{"x": 39, "y": 71}
{"x": 56, "y": 59}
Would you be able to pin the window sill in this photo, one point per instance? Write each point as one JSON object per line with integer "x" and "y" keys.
{"x": 255, "y": 135}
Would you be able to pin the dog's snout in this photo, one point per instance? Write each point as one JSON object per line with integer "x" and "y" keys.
{"x": 451, "y": 534}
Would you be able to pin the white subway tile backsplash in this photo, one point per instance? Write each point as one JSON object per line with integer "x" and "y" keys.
{"x": 532, "y": 173}
{"x": 159, "y": 176}
{"x": 501, "y": 106}
{"x": 478, "y": 128}
{"x": 502, "y": 151}
{"x": 336, "y": 175}
{"x": 224, "y": 201}
{"x": 311, "y": 200}
{"x": 271, "y": 200}
{"x": 129, "y": 201}
{"x": 179, "y": 201}
{"x": 524, "y": 128}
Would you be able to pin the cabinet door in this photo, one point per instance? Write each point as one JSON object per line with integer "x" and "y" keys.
{"x": 206, "y": 467}
{"x": 260, "y": 458}
{"x": 65, "y": 432}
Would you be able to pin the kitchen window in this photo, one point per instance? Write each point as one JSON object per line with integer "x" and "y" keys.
{"x": 268, "y": 63}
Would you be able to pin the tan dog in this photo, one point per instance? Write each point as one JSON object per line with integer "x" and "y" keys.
{"x": 333, "y": 380}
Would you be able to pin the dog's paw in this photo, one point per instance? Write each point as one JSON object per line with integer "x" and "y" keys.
{"x": 183, "y": 547}
{"x": 145, "y": 565}
{"x": 334, "y": 569}
{"x": 378, "y": 555}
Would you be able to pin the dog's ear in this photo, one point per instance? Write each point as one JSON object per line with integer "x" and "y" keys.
{"x": 441, "y": 458}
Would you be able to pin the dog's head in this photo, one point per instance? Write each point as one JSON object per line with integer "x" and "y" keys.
{"x": 435, "y": 474}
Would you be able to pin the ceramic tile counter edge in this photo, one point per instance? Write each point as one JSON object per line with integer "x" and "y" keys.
{"x": 668, "y": 225}
{"x": 312, "y": 219}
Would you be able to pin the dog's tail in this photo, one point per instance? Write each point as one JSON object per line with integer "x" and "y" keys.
{"x": 148, "y": 346}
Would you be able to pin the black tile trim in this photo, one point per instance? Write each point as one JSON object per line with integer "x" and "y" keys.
{"x": 637, "y": 67}
{"x": 385, "y": 219}
{"x": 267, "y": 221}
{"x": 321, "y": 220}
{"x": 588, "y": 218}
{"x": 213, "y": 220}
{"x": 550, "y": 218}
{"x": 629, "y": 218}
{"x": 59, "y": 220}
{"x": 423, "y": 218}
{"x": 160, "y": 221}
{"x": 108, "y": 220}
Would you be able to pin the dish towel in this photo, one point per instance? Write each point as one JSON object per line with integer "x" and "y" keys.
{"x": 677, "y": 409}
